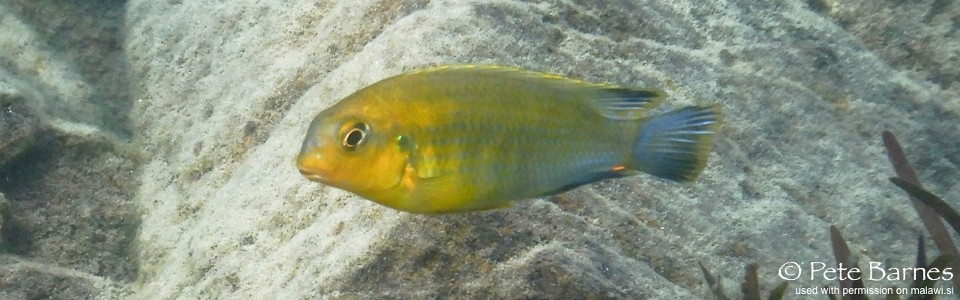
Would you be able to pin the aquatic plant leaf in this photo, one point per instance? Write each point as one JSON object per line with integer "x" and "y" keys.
{"x": 714, "y": 284}
{"x": 751, "y": 283}
{"x": 921, "y": 253}
{"x": 841, "y": 252}
{"x": 928, "y": 215}
{"x": 941, "y": 262}
{"x": 778, "y": 292}
{"x": 706, "y": 275}
{"x": 750, "y": 286}
{"x": 844, "y": 257}
{"x": 941, "y": 207}
{"x": 897, "y": 158}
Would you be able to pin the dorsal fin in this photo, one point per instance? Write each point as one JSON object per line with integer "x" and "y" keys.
{"x": 626, "y": 104}
{"x": 611, "y": 101}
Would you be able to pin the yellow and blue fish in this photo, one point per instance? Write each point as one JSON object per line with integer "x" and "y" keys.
{"x": 465, "y": 138}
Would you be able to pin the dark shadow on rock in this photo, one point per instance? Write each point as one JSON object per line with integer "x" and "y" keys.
{"x": 71, "y": 206}
{"x": 509, "y": 253}
{"x": 88, "y": 35}
{"x": 69, "y": 220}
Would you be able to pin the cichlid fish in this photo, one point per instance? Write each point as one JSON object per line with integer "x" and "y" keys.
{"x": 465, "y": 138}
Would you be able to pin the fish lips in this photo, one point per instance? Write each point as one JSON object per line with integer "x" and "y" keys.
{"x": 306, "y": 164}
{"x": 311, "y": 176}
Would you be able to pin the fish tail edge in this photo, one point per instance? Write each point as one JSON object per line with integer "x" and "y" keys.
{"x": 676, "y": 144}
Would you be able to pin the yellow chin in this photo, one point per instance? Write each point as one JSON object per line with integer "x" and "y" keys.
{"x": 308, "y": 165}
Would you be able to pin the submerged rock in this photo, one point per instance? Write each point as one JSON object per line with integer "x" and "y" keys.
{"x": 804, "y": 100}
{"x": 4, "y": 215}
{"x": 20, "y": 125}
{"x": 66, "y": 174}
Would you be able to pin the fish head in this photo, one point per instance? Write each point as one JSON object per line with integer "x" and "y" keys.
{"x": 352, "y": 150}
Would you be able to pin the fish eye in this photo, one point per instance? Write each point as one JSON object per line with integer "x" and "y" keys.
{"x": 354, "y": 136}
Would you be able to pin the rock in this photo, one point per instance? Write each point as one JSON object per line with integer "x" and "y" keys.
{"x": 24, "y": 279}
{"x": 66, "y": 174}
{"x": 58, "y": 75}
{"x": 18, "y": 281}
{"x": 20, "y": 125}
{"x": 4, "y": 215}
{"x": 227, "y": 214}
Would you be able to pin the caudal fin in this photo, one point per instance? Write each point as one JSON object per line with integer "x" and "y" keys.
{"x": 675, "y": 145}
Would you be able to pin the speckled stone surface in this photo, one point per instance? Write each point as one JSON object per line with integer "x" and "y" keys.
{"x": 67, "y": 176}
{"x": 804, "y": 87}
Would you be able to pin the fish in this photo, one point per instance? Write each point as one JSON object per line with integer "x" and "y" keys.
{"x": 463, "y": 138}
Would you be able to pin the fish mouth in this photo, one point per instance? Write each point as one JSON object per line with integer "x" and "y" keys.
{"x": 306, "y": 164}
{"x": 311, "y": 176}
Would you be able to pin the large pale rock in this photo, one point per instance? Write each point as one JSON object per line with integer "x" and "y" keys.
{"x": 226, "y": 95}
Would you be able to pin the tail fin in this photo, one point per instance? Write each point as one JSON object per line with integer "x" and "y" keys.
{"x": 675, "y": 145}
